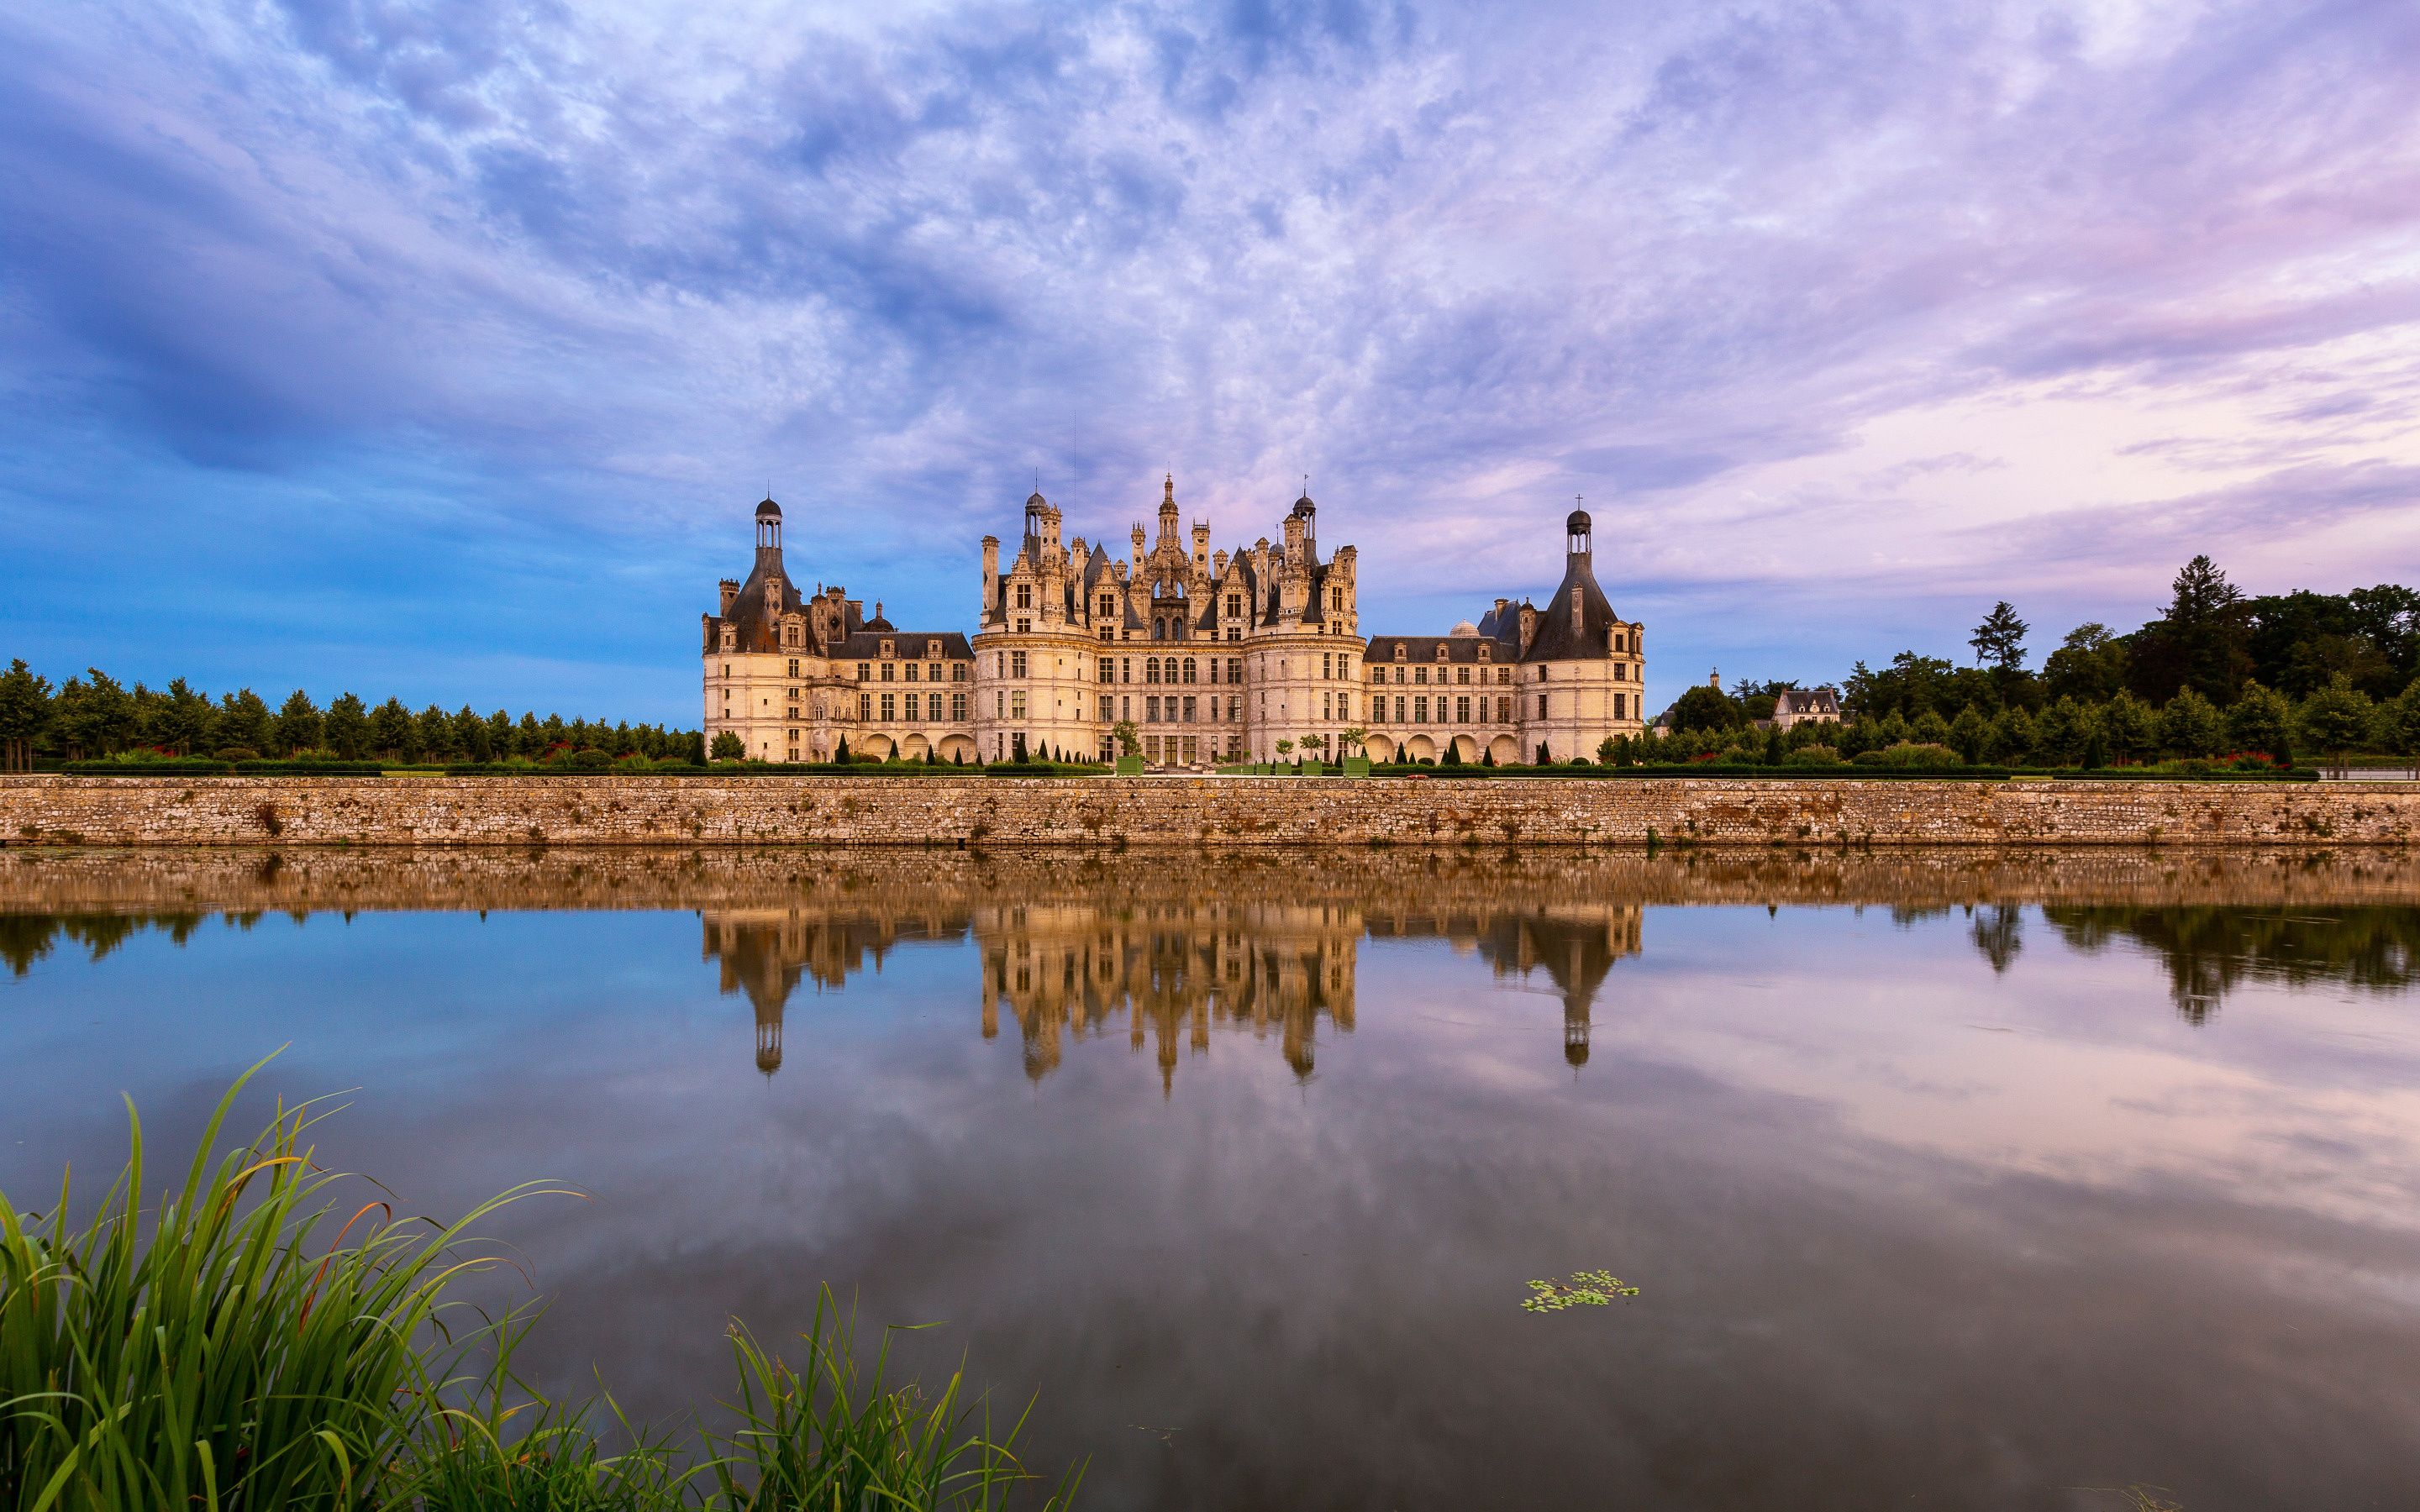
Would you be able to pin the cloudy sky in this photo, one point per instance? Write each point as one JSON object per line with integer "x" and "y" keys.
{"x": 441, "y": 348}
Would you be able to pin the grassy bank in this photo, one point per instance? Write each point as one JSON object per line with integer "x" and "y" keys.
{"x": 252, "y": 1342}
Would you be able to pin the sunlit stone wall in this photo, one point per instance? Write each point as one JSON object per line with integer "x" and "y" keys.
{"x": 891, "y": 893}
{"x": 1309, "y": 817}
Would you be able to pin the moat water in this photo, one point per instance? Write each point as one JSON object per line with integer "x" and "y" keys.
{"x": 1949, "y": 1181}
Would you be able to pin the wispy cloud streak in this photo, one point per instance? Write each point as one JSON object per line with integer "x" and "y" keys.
{"x": 1849, "y": 315}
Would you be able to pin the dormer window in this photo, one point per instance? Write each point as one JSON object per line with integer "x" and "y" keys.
{"x": 932, "y": 653}
{"x": 890, "y": 648}
{"x": 1401, "y": 652}
{"x": 1024, "y": 596}
{"x": 1440, "y": 650}
{"x": 1483, "y": 650}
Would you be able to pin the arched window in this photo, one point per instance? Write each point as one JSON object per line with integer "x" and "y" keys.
{"x": 1160, "y": 630}
{"x": 1189, "y": 669}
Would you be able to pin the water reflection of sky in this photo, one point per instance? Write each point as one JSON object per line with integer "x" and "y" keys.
{"x": 1942, "y": 1209}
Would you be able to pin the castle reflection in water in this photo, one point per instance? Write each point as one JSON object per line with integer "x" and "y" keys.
{"x": 1169, "y": 974}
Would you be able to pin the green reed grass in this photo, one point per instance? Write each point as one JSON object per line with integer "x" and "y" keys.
{"x": 247, "y": 1344}
{"x": 819, "y": 1436}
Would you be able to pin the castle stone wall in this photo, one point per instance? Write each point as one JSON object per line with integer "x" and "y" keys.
{"x": 1302, "y": 814}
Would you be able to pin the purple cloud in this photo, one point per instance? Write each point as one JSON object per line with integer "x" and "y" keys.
{"x": 1847, "y": 321}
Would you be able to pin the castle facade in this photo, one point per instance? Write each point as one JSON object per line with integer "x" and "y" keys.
{"x": 1212, "y": 656}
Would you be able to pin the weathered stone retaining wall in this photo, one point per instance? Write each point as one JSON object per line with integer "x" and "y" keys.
{"x": 1226, "y": 812}
{"x": 944, "y": 889}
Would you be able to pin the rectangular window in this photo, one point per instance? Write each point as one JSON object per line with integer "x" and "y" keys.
{"x": 1504, "y": 711}
{"x": 794, "y": 671}
{"x": 1541, "y": 705}
{"x": 1151, "y": 749}
{"x": 1106, "y": 701}
{"x": 1125, "y": 708}
{"x": 888, "y": 712}
{"x": 1024, "y": 596}
{"x": 1503, "y": 676}
{"x": 1235, "y": 668}
{"x": 1235, "y": 710}
{"x": 957, "y": 672}
{"x": 958, "y": 707}
{"x": 888, "y": 667}
{"x": 1234, "y": 632}
{"x": 933, "y": 673}
{"x": 1189, "y": 711}
{"x": 1324, "y": 669}
{"x": 1016, "y": 664}
{"x": 1109, "y": 670}
{"x": 1461, "y": 676}
{"x": 1461, "y": 711}
{"x": 1622, "y": 706}
{"x": 1189, "y": 757}
{"x": 1620, "y": 672}
{"x": 1327, "y": 706}
{"x": 1025, "y": 626}
{"x": 864, "y": 671}
{"x": 864, "y": 707}
{"x": 1421, "y": 711}
{"x": 911, "y": 671}
{"x": 1016, "y": 704}
{"x": 1234, "y": 606}
{"x": 1419, "y": 675}
{"x": 1398, "y": 708}
{"x": 999, "y": 704}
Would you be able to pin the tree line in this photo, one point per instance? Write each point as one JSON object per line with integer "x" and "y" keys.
{"x": 2217, "y": 671}
{"x": 96, "y": 715}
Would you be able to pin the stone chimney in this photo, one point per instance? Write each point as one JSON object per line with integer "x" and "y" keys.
{"x": 730, "y": 593}
{"x": 1528, "y": 625}
{"x": 991, "y": 578}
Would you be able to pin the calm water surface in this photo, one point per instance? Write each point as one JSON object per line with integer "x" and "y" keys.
{"x": 1950, "y": 1183}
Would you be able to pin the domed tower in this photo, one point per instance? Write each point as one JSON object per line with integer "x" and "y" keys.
{"x": 768, "y": 530}
{"x": 1582, "y": 663}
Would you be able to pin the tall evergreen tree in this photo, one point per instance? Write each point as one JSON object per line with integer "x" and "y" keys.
{"x": 25, "y": 711}
{"x": 2000, "y": 639}
{"x": 347, "y": 727}
{"x": 187, "y": 720}
{"x": 2202, "y": 642}
{"x": 299, "y": 726}
{"x": 243, "y": 721}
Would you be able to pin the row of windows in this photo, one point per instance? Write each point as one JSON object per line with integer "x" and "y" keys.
{"x": 931, "y": 671}
{"x": 918, "y": 709}
{"x": 1461, "y": 674}
{"x": 1172, "y": 710}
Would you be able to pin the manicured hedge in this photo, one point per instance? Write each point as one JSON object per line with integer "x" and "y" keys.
{"x": 191, "y": 768}
{"x": 201, "y": 767}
